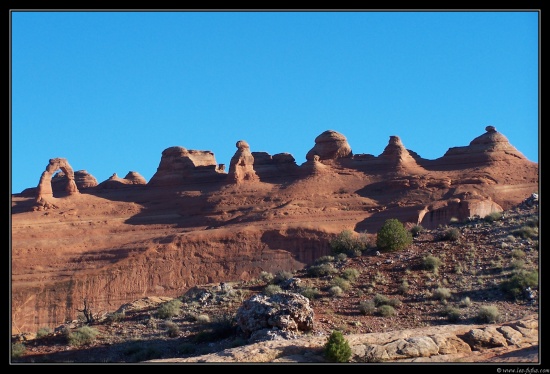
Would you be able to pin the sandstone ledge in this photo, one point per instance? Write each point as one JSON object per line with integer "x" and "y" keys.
{"x": 515, "y": 341}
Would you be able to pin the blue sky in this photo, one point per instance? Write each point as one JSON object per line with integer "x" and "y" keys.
{"x": 109, "y": 91}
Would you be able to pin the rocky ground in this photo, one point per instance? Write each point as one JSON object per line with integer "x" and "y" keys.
{"x": 469, "y": 278}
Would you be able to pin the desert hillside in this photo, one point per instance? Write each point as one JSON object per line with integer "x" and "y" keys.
{"x": 74, "y": 240}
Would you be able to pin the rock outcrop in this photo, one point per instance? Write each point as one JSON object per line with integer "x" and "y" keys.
{"x": 487, "y": 148}
{"x": 265, "y": 213}
{"x": 241, "y": 167}
{"x": 449, "y": 343}
{"x": 281, "y": 312}
{"x": 179, "y": 165}
{"x": 330, "y": 145}
{"x": 131, "y": 179}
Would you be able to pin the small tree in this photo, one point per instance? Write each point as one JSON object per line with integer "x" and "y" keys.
{"x": 337, "y": 348}
{"x": 393, "y": 236}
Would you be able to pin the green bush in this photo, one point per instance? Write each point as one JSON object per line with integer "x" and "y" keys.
{"x": 282, "y": 276}
{"x": 337, "y": 348}
{"x": 442, "y": 293}
{"x": 169, "y": 309}
{"x": 349, "y": 243}
{"x": 393, "y": 236}
{"x": 272, "y": 289}
{"x": 386, "y": 310}
{"x": 488, "y": 314}
{"x": 465, "y": 302}
{"x": 493, "y": 216}
{"x": 350, "y": 274}
{"x": 335, "y": 291}
{"x": 321, "y": 270}
{"x": 115, "y": 317}
{"x": 324, "y": 260}
{"x": 344, "y": 284}
{"x": 266, "y": 277}
{"x": 172, "y": 329}
{"x": 203, "y": 318}
{"x": 431, "y": 263}
{"x": 451, "y": 234}
{"x": 416, "y": 230}
{"x": 310, "y": 292}
{"x": 516, "y": 285}
{"x": 220, "y": 328}
{"x": 367, "y": 307}
{"x": 526, "y": 232}
{"x": 83, "y": 335}
{"x": 453, "y": 314}
{"x": 403, "y": 288}
{"x": 518, "y": 254}
{"x": 43, "y": 331}
{"x": 381, "y": 300}
{"x": 17, "y": 350}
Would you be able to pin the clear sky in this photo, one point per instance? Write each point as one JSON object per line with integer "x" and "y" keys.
{"x": 109, "y": 91}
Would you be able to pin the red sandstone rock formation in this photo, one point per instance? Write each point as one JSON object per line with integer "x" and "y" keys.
{"x": 198, "y": 228}
{"x": 330, "y": 145}
{"x": 241, "y": 167}
{"x": 45, "y": 191}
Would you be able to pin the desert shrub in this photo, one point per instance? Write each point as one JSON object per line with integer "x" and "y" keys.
{"x": 221, "y": 327}
{"x": 203, "y": 318}
{"x": 517, "y": 264}
{"x": 516, "y": 285}
{"x": 465, "y": 302}
{"x": 350, "y": 274}
{"x": 43, "y": 331}
{"x": 442, "y": 293}
{"x": 83, "y": 335}
{"x": 115, "y": 317}
{"x": 349, "y": 243}
{"x": 431, "y": 263}
{"x": 321, "y": 270}
{"x": 532, "y": 222}
{"x": 393, "y": 236}
{"x": 272, "y": 289}
{"x": 266, "y": 277}
{"x": 17, "y": 350}
{"x": 386, "y": 310}
{"x": 337, "y": 348}
{"x": 381, "y": 300}
{"x": 453, "y": 314}
{"x": 335, "y": 291}
{"x": 172, "y": 329}
{"x": 488, "y": 314}
{"x": 367, "y": 307}
{"x": 344, "y": 284}
{"x": 341, "y": 257}
{"x": 493, "y": 216}
{"x": 169, "y": 309}
{"x": 324, "y": 260}
{"x": 451, "y": 234}
{"x": 526, "y": 232}
{"x": 403, "y": 288}
{"x": 416, "y": 230}
{"x": 310, "y": 292}
{"x": 518, "y": 253}
{"x": 282, "y": 276}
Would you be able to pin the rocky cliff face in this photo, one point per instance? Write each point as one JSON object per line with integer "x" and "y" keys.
{"x": 109, "y": 243}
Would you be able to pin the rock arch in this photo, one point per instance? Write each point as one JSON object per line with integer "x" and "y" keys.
{"x": 44, "y": 189}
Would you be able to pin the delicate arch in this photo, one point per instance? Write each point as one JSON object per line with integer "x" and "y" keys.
{"x": 44, "y": 189}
